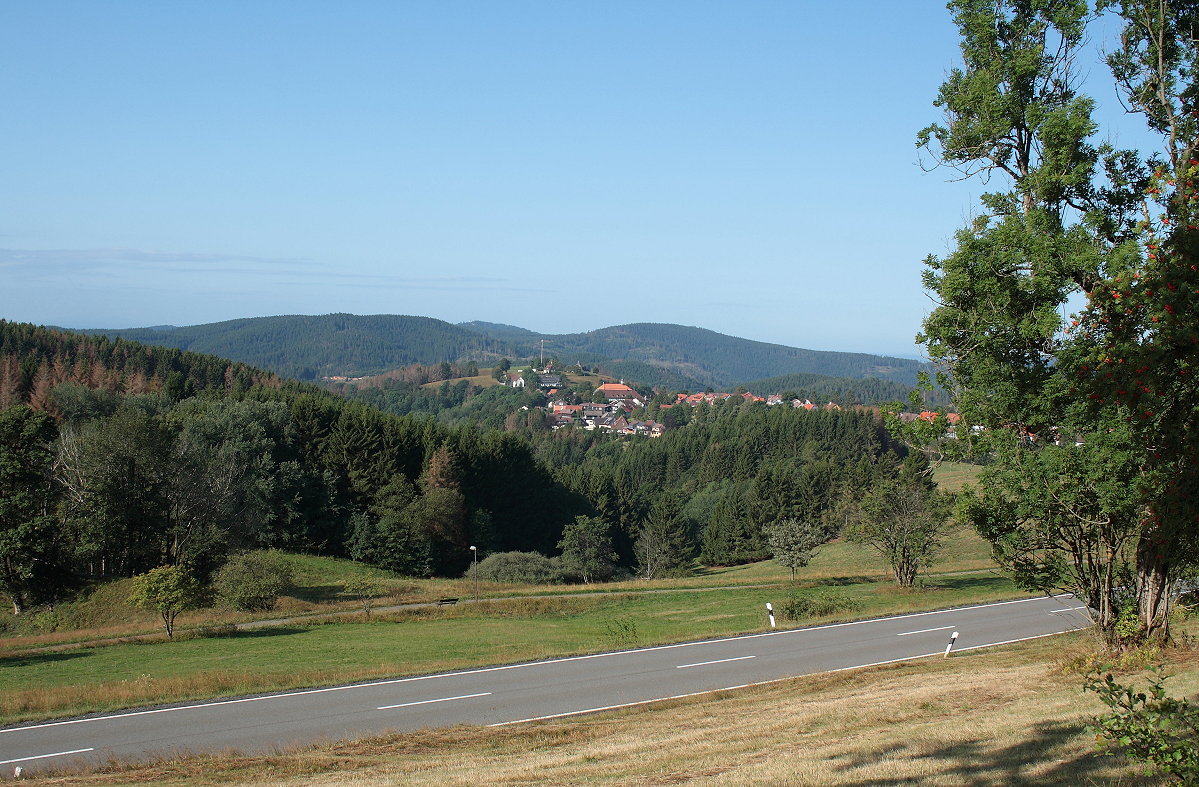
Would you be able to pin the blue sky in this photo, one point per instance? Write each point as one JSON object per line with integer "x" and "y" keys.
{"x": 747, "y": 167}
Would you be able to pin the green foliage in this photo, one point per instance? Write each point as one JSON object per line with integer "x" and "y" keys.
{"x": 622, "y": 632}
{"x": 708, "y": 358}
{"x": 31, "y": 561}
{"x": 1148, "y": 726}
{"x": 587, "y": 549}
{"x": 306, "y": 347}
{"x": 253, "y": 581}
{"x": 675, "y": 356}
{"x": 167, "y": 590}
{"x": 815, "y": 605}
{"x": 665, "y": 545}
{"x": 1076, "y": 224}
{"x": 866, "y": 390}
{"x": 904, "y": 518}
{"x": 793, "y": 542}
{"x": 177, "y": 457}
{"x": 365, "y": 589}
{"x": 525, "y": 568}
{"x": 1062, "y": 517}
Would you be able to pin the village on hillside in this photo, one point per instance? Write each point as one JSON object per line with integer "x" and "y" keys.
{"x": 615, "y": 402}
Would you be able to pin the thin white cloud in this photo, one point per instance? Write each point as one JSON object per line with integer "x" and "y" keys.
{"x": 52, "y": 265}
{"x": 92, "y": 257}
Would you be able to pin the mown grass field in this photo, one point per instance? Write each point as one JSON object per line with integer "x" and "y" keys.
{"x": 479, "y": 381}
{"x": 1005, "y": 716}
{"x": 320, "y": 584}
{"x": 952, "y": 476}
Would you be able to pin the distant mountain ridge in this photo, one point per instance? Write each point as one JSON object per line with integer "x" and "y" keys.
{"x": 719, "y": 360}
{"x": 675, "y": 356}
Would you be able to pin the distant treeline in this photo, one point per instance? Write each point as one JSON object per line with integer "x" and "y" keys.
{"x": 709, "y": 358}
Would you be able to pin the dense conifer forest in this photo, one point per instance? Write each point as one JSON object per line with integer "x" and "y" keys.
{"x": 116, "y": 457}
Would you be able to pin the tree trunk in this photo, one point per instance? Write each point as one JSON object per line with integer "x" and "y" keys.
{"x": 1153, "y": 587}
{"x": 905, "y": 574}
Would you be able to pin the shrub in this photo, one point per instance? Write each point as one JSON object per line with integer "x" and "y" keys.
{"x": 529, "y": 568}
{"x": 253, "y": 581}
{"x": 1148, "y": 726}
{"x": 816, "y": 605}
{"x": 364, "y": 589}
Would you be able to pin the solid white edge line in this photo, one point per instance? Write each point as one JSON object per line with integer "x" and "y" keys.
{"x": 618, "y": 707}
{"x": 718, "y": 661}
{"x": 1067, "y": 609}
{"x": 430, "y": 702}
{"x": 523, "y": 665}
{"x": 44, "y": 756}
{"x": 923, "y": 631}
{"x": 764, "y": 682}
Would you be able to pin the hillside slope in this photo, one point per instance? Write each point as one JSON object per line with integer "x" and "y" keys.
{"x": 675, "y": 356}
{"x": 306, "y": 347}
{"x": 716, "y": 359}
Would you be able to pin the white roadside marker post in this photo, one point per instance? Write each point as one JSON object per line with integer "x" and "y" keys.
{"x": 952, "y": 639}
{"x": 770, "y": 612}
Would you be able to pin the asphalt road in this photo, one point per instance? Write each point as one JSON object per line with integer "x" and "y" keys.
{"x": 519, "y": 693}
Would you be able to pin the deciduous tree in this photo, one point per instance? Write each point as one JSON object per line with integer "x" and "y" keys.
{"x": 587, "y": 548}
{"x": 903, "y": 519}
{"x": 168, "y": 590}
{"x": 1107, "y": 397}
{"x": 253, "y": 581}
{"x": 793, "y": 542}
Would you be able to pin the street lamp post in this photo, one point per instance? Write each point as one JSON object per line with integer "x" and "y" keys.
{"x": 474, "y": 568}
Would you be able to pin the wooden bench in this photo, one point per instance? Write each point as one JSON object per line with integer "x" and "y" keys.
{"x": 446, "y": 602}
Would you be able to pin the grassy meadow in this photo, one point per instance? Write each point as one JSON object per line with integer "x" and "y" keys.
{"x": 101, "y": 654}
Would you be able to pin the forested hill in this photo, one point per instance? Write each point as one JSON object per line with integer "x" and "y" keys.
{"x": 306, "y": 347}
{"x": 116, "y": 457}
{"x": 171, "y": 456}
{"x": 670, "y": 356}
{"x": 712, "y": 358}
{"x": 498, "y": 330}
{"x": 844, "y": 390}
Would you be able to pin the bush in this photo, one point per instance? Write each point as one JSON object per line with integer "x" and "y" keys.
{"x": 1149, "y": 726}
{"x": 527, "y": 568}
{"x": 364, "y": 589}
{"x": 816, "y": 605}
{"x": 253, "y": 581}
{"x": 212, "y": 631}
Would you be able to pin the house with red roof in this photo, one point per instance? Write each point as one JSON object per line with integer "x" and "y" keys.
{"x": 612, "y": 391}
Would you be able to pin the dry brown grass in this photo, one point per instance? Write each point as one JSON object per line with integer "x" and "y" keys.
{"x": 1002, "y": 717}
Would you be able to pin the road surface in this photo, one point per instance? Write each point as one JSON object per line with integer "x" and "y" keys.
{"x": 519, "y": 693}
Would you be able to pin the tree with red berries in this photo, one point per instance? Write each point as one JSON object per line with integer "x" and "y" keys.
{"x": 1090, "y": 419}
